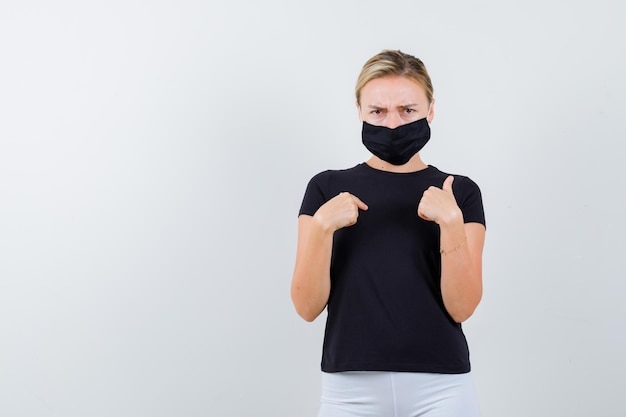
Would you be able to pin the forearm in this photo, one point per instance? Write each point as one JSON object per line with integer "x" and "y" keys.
{"x": 310, "y": 285}
{"x": 461, "y": 268}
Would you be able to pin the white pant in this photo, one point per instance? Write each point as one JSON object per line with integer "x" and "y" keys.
{"x": 397, "y": 394}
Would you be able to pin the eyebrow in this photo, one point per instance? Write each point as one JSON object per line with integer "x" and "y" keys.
{"x": 403, "y": 106}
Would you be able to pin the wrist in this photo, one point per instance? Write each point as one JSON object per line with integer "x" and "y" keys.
{"x": 322, "y": 226}
{"x": 445, "y": 252}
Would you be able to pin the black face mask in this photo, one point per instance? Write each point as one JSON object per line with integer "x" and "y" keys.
{"x": 398, "y": 145}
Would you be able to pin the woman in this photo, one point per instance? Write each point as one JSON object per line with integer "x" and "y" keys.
{"x": 393, "y": 249}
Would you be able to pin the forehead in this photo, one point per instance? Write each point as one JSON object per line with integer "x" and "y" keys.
{"x": 393, "y": 89}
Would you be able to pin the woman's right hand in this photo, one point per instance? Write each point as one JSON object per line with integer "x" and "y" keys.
{"x": 338, "y": 212}
{"x": 310, "y": 286}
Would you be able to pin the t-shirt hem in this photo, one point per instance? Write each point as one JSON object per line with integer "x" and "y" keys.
{"x": 396, "y": 368}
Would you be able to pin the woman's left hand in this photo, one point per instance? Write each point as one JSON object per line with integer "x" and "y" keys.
{"x": 439, "y": 205}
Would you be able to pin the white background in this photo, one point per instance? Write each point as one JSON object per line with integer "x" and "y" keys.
{"x": 153, "y": 157}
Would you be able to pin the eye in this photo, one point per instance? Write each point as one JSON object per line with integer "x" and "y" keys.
{"x": 409, "y": 110}
{"x": 376, "y": 111}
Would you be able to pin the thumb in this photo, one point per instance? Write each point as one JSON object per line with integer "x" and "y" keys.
{"x": 447, "y": 184}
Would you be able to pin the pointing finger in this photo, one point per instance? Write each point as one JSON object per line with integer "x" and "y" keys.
{"x": 359, "y": 203}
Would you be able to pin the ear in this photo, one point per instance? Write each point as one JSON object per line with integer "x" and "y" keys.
{"x": 431, "y": 111}
{"x": 358, "y": 111}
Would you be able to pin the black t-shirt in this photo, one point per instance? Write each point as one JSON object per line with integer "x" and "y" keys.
{"x": 385, "y": 310}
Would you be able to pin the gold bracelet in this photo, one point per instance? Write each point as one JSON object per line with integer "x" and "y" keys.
{"x": 456, "y": 248}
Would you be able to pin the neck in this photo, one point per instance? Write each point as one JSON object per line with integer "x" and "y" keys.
{"x": 414, "y": 164}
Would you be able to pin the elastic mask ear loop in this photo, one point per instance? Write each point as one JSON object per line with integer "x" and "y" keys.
{"x": 428, "y": 112}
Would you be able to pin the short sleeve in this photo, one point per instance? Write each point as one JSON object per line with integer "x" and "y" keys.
{"x": 314, "y": 196}
{"x": 469, "y": 198}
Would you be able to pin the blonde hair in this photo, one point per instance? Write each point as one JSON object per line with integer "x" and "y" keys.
{"x": 394, "y": 62}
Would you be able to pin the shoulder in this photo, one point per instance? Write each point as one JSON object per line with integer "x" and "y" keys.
{"x": 462, "y": 183}
{"x": 328, "y": 175}
{"x": 323, "y": 186}
{"x": 469, "y": 198}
